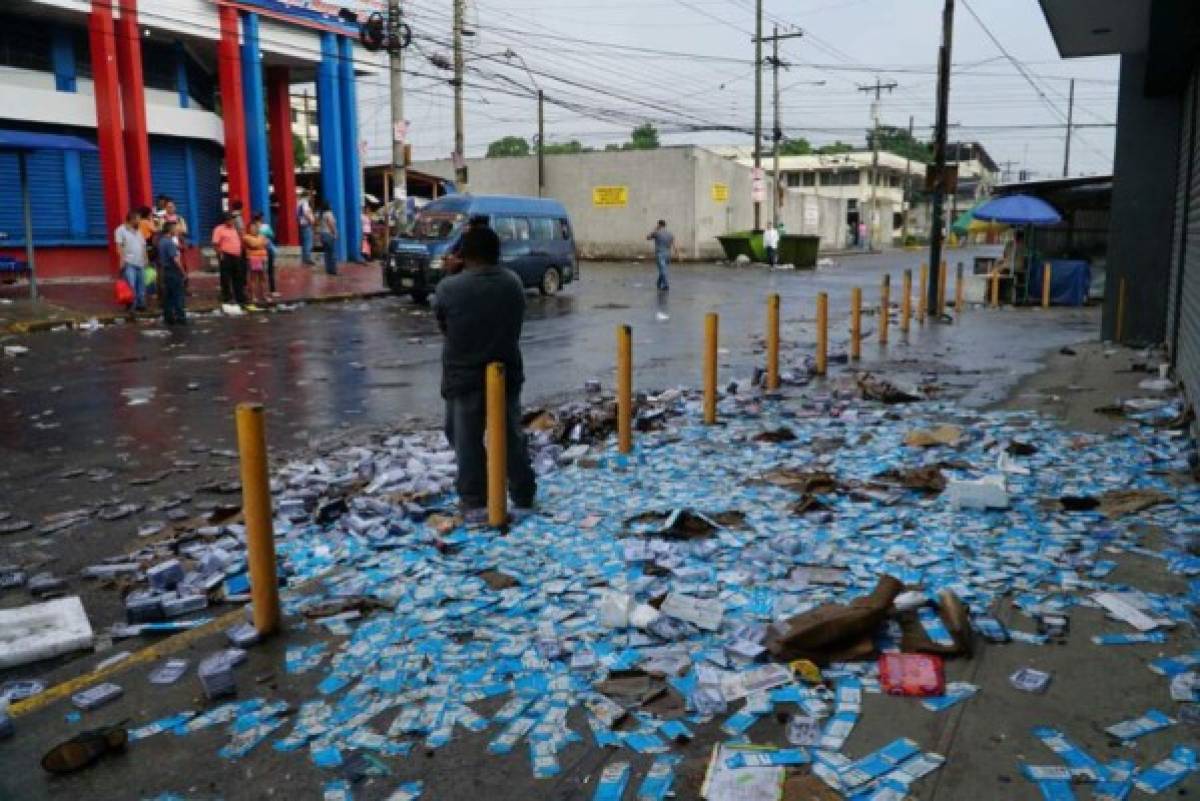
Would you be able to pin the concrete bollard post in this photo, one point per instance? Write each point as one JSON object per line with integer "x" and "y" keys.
{"x": 624, "y": 389}
{"x": 885, "y": 307}
{"x": 773, "y": 341}
{"x": 256, "y": 509}
{"x": 923, "y": 294}
{"x": 941, "y": 296}
{"x": 855, "y": 323}
{"x": 496, "y": 439}
{"x": 822, "y": 333}
{"x": 711, "y": 330}
{"x": 995, "y": 289}
{"x": 906, "y": 302}
{"x": 1046, "y": 286}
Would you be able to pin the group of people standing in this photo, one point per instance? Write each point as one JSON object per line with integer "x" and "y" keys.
{"x": 246, "y": 256}
{"x": 151, "y": 243}
{"x": 317, "y": 224}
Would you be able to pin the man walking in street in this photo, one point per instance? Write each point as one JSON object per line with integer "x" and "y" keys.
{"x": 171, "y": 275}
{"x": 228, "y": 243}
{"x": 307, "y": 219}
{"x": 771, "y": 244}
{"x": 664, "y": 251}
{"x": 481, "y": 310}
{"x": 132, "y": 247}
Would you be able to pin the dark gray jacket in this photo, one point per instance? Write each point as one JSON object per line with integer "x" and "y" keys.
{"x": 481, "y": 313}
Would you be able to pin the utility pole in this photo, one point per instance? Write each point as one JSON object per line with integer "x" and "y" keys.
{"x": 907, "y": 186}
{"x": 460, "y": 155}
{"x": 1070, "y": 120}
{"x": 758, "y": 61}
{"x": 541, "y": 142}
{"x": 777, "y": 130}
{"x": 939, "y": 159}
{"x": 874, "y": 212}
{"x": 399, "y": 127}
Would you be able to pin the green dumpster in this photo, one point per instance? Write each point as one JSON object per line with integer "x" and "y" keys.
{"x": 799, "y": 250}
{"x": 743, "y": 243}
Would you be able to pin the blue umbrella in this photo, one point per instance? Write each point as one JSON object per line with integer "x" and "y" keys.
{"x": 1018, "y": 210}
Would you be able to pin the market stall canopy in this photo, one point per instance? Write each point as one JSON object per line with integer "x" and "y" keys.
{"x": 1018, "y": 210}
{"x": 968, "y": 223}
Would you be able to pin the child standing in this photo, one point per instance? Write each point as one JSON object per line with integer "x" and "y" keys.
{"x": 256, "y": 259}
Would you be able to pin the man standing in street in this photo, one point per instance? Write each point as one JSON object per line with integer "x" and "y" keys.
{"x": 132, "y": 247}
{"x": 664, "y": 251}
{"x": 771, "y": 244}
{"x": 228, "y": 243}
{"x": 306, "y": 219}
{"x": 481, "y": 310}
{"x": 171, "y": 275}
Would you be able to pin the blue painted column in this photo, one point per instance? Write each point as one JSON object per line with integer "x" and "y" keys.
{"x": 329, "y": 123}
{"x": 192, "y": 213}
{"x": 353, "y": 163}
{"x": 76, "y": 207}
{"x": 254, "y": 101}
{"x": 62, "y": 56}
{"x": 181, "y": 75}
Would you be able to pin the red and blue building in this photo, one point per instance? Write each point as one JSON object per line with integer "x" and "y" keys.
{"x": 187, "y": 98}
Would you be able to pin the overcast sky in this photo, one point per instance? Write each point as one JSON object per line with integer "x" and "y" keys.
{"x": 695, "y": 70}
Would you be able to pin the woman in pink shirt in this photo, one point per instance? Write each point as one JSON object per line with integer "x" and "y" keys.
{"x": 228, "y": 244}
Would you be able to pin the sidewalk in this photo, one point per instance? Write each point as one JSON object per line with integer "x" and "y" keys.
{"x": 73, "y": 303}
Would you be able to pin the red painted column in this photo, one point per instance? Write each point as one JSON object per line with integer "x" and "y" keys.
{"x": 283, "y": 160}
{"x": 233, "y": 109}
{"x": 102, "y": 43}
{"x": 133, "y": 104}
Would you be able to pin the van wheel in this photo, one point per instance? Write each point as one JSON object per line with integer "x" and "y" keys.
{"x": 551, "y": 282}
{"x": 419, "y": 296}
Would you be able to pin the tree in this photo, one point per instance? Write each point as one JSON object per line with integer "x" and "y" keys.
{"x": 561, "y": 148}
{"x": 795, "y": 147}
{"x": 899, "y": 141}
{"x": 644, "y": 137}
{"x": 299, "y": 152}
{"x": 837, "y": 147}
{"x": 507, "y": 147}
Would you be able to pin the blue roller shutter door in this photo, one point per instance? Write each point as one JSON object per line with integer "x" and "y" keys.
{"x": 48, "y": 198}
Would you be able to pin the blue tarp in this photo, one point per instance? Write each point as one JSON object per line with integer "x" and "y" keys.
{"x": 34, "y": 140}
{"x": 1070, "y": 282}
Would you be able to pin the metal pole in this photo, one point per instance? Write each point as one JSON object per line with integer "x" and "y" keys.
{"x": 773, "y": 341}
{"x": 939, "y": 148}
{"x": 23, "y": 166}
{"x": 496, "y": 441}
{"x": 906, "y": 302}
{"x": 958, "y": 290}
{"x": 922, "y": 294}
{"x": 256, "y": 510}
{"x": 541, "y": 142}
{"x": 775, "y": 131}
{"x": 758, "y": 16}
{"x": 906, "y": 189}
{"x": 1046, "y": 285}
{"x": 624, "y": 389}
{"x": 399, "y": 188}
{"x": 822, "y": 333}
{"x": 460, "y": 148}
{"x": 711, "y": 324}
{"x": 1070, "y": 120}
{"x": 885, "y": 308}
{"x": 855, "y": 323}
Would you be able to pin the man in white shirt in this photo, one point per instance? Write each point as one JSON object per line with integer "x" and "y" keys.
{"x": 771, "y": 244}
{"x": 132, "y": 247}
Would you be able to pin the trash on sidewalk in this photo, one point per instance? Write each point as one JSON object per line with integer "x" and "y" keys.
{"x": 834, "y": 632}
{"x": 989, "y": 492}
{"x": 944, "y": 434}
{"x": 1030, "y": 680}
{"x": 878, "y": 389}
{"x": 917, "y": 675}
{"x": 41, "y": 631}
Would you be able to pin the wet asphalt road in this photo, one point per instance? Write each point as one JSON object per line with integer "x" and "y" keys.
{"x": 134, "y": 414}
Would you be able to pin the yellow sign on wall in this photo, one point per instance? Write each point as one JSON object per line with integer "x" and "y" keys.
{"x": 610, "y": 196}
{"x": 720, "y": 193}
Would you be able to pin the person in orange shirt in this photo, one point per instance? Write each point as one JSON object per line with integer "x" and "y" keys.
{"x": 256, "y": 258}
{"x": 228, "y": 243}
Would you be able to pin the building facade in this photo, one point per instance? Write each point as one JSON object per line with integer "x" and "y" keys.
{"x": 185, "y": 98}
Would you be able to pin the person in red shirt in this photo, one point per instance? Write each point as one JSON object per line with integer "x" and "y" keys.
{"x": 228, "y": 243}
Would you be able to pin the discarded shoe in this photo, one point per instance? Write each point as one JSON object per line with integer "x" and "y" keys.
{"x": 84, "y": 749}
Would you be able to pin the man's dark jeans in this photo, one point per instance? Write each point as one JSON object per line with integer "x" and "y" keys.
{"x": 465, "y": 423}
{"x": 172, "y": 297}
{"x": 233, "y": 279}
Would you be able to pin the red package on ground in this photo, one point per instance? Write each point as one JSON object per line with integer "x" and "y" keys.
{"x": 918, "y": 675}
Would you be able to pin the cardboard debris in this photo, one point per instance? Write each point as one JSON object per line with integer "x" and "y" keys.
{"x": 947, "y": 435}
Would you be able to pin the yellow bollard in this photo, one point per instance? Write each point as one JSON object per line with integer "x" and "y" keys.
{"x": 711, "y": 326}
{"x": 959, "y": 291}
{"x": 906, "y": 303}
{"x": 941, "y": 298}
{"x": 923, "y": 294}
{"x": 1121, "y": 312}
{"x": 885, "y": 308}
{"x": 773, "y": 341}
{"x": 496, "y": 440}
{"x": 822, "y": 333}
{"x": 624, "y": 389}
{"x": 1046, "y": 286}
{"x": 256, "y": 510}
{"x": 856, "y": 323}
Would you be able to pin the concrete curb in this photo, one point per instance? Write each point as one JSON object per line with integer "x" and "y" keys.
{"x": 74, "y": 321}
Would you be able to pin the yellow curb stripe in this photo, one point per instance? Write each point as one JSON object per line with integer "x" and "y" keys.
{"x": 166, "y": 647}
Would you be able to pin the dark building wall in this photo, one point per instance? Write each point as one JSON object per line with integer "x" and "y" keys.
{"x": 1143, "y": 206}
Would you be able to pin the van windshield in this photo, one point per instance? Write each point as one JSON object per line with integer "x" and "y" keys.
{"x": 437, "y": 225}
